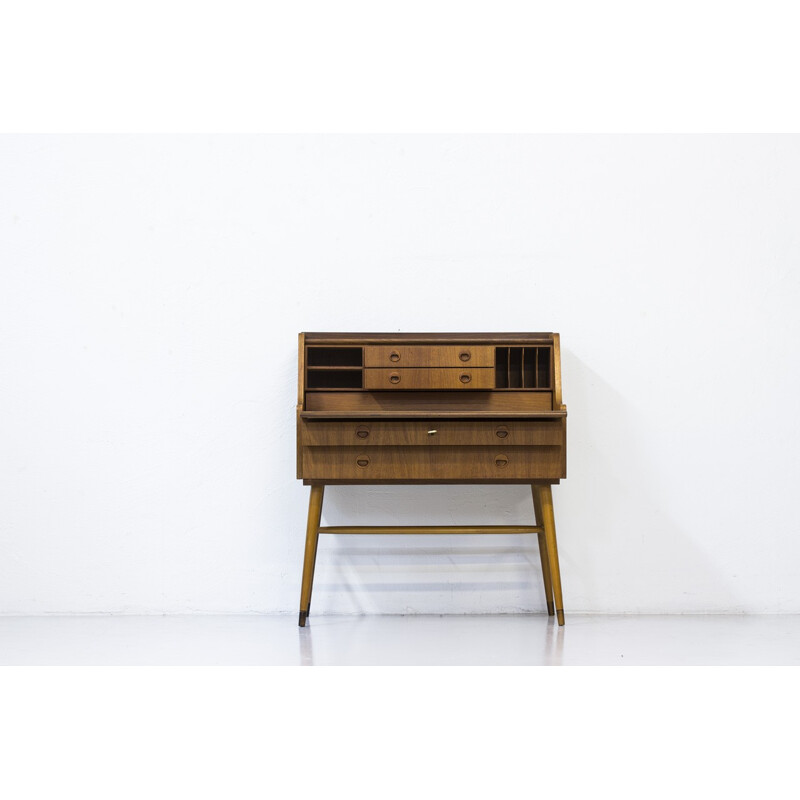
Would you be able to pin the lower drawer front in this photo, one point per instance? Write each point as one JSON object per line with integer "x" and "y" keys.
{"x": 432, "y": 433}
{"x": 431, "y": 378}
{"x": 432, "y": 463}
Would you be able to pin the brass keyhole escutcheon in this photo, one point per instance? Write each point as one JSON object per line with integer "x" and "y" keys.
{"x": 362, "y": 432}
{"x": 465, "y": 355}
{"x": 465, "y": 377}
{"x": 502, "y": 432}
{"x": 501, "y": 461}
{"x": 362, "y": 461}
{"x": 394, "y": 356}
{"x": 394, "y": 378}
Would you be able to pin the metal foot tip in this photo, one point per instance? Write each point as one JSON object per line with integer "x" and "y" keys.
{"x": 551, "y": 609}
{"x": 560, "y": 615}
{"x": 303, "y": 617}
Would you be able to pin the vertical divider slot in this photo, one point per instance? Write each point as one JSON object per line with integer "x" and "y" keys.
{"x": 529, "y": 367}
{"x": 543, "y": 368}
{"x": 515, "y": 367}
{"x": 501, "y": 367}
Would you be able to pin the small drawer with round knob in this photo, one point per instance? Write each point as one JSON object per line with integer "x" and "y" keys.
{"x": 420, "y": 355}
{"x": 428, "y": 378}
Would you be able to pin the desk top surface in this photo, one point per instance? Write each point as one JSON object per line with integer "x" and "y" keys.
{"x": 423, "y": 338}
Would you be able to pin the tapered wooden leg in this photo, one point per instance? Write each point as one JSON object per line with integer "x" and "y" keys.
{"x": 310, "y": 559}
{"x": 548, "y": 583}
{"x": 548, "y": 520}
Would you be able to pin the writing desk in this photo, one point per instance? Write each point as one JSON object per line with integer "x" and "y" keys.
{"x": 421, "y": 408}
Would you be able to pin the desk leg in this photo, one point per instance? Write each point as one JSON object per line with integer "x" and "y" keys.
{"x": 310, "y": 560}
{"x": 546, "y": 500}
{"x": 548, "y": 582}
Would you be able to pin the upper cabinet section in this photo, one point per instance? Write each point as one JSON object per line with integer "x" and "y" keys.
{"x": 354, "y": 370}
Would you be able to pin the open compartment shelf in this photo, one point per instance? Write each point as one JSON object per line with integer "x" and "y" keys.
{"x": 331, "y": 378}
{"x": 335, "y": 356}
{"x": 522, "y": 368}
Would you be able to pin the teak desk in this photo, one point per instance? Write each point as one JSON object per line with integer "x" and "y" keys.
{"x": 432, "y": 408}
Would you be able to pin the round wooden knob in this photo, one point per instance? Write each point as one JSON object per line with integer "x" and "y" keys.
{"x": 362, "y": 432}
{"x": 465, "y": 377}
{"x": 465, "y": 355}
{"x": 501, "y": 461}
{"x": 362, "y": 461}
{"x": 394, "y": 377}
{"x": 501, "y": 432}
{"x": 394, "y": 356}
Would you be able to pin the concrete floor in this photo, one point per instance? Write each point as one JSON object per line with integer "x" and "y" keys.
{"x": 401, "y": 640}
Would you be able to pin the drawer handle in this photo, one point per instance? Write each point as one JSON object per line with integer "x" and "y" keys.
{"x": 501, "y": 461}
{"x": 502, "y": 432}
{"x": 394, "y": 356}
{"x": 362, "y": 461}
{"x": 362, "y": 432}
{"x": 394, "y": 377}
{"x": 465, "y": 355}
{"x": 432, "y": 432}
{"x": 465, "y": 377}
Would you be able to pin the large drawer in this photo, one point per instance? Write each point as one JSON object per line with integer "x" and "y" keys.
{"x": 427, "y": 356}
{"x": 430, "y": 378}
{"x": 432, "y": 463}
{"x": 427, "y": 433}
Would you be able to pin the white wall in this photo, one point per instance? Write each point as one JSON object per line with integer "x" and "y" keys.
{"x": 151, "y": 293}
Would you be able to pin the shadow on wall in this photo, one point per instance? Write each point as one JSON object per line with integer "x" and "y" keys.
{"x": 625, "y": 542}
{"x": 621, "y": 549}
{"x": 428, "y": 573}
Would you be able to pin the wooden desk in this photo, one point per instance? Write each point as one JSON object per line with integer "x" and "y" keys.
{"x": 415, "y": 408}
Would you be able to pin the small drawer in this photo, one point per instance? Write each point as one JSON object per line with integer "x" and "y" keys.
{"x": 426, "y": 356}
{"x": 433, "y": 463}
{"x": 432, "y": 378}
